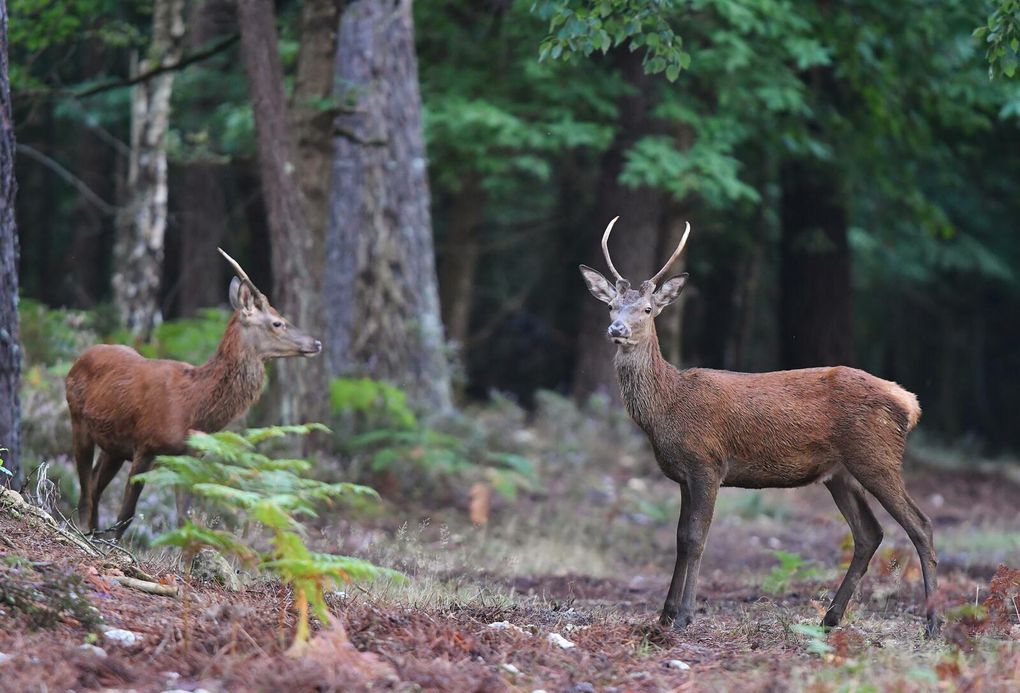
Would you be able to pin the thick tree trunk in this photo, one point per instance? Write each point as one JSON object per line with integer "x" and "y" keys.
{"x": 10, "y": 349}
{"x": 815, "y": 295}
{"x": 141, "y": 226}
{"x": 199, "y": 197}
{"x": 635, "y": 241}
{"x": 300, "y": 389}
{"x": 312, "y": 115}
{"x": 381, "y": 289}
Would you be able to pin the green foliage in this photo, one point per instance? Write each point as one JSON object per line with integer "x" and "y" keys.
{"x": 50, "y": 336}
{"x": 4, "y": 469}
{"x": 1001, "y": 36}
{"x": 815, "y": 636}
{"x": 582, "y": 28}
{"x": 192, "y": 340}
{"x": 228, "y": 471}
{"x": 384, "y": 432}
{"x": 792, "y": 567}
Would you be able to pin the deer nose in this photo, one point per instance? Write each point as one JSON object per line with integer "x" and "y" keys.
{"x": 618, "y": 329}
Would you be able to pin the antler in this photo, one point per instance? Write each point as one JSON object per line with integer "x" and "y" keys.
{"x": 242, "y": 275}
{"x": 605, "y": 249}
{"x": 676, "y": 253}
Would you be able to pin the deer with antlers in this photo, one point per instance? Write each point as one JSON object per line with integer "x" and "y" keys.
{"x": 712, "y": 428}
{"x": 134, "y": 408}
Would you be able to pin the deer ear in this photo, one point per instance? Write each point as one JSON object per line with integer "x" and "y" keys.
{"x": 669, "y": 292}
{"x": 241, "y": 297}
{"x": 598, "y": 285}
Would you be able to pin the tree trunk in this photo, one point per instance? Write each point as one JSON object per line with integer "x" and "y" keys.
{"x": 312, "y": 115}
{"x": 300, "y": 389}
{"x": 815, "y": 294}
{"x": 198, "y": 197}
{"x": 458, "y": 261}
{"x": 381, "y": 289}
{"x": 141, "y": 226}
{"x": 10, "y": 349}
{"x": 635, "y": 241}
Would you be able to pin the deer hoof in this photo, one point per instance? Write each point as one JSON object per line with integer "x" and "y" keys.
{"x": 831, "y": 620}
{"x": 933, "y": 627}
{"x": 683, "y": 620}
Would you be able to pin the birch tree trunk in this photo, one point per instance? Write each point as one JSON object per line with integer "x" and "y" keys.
{"x": 10, "y": 349}
{"x": 381, "y": 290}
{"x": 141, "y": 226}
{"x": 296, "y": 265}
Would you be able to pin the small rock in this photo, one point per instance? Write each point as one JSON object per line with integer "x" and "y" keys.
{"x": 122, "y": 637}
{"x": 774, "y": 542}
{"x": 584, "y": 687}
{"x": 211, "y": 566}
{"x": 539, "y": 690}
{"x": 93, "y": 649}
{"x": 560, "y": 641}
{"x": 571, "y": 627}
{"x": 4, "y": 657}
{"x": 506, "y": 625}
{"x": 510, "y": 669}
{"x": 678, "y": 664}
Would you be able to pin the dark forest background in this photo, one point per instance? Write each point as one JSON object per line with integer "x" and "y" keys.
{"x": 418, "y": 184}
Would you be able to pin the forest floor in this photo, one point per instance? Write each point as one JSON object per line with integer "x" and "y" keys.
{"x": 483, "y": 604}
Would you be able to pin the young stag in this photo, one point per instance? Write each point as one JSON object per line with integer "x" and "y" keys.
{"x": 134, "y": 408}
{"x": 709, "y": 428}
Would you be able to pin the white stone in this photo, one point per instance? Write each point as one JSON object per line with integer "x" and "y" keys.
{"x": 560, "y": 641}
{"x": 506, "y": 625}
{"x": 510, "y": 669}
{"x": 93, "y": 649}
{"x": 122, "y": 637}
{"x": 678, "y": 664}
{"x": 4, "y": 657}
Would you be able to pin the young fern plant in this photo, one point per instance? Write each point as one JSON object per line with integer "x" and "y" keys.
{"x": 228, "y": 470}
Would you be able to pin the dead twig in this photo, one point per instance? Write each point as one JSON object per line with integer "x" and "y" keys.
{"x": 146, "y": 586}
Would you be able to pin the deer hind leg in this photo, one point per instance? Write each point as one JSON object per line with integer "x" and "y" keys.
{"x": 889, "y": 489}
{"x": 676, "y": 585}
{"x": 141, "y": 463}
{"x": 84, "y": 452}
{"x": 106, "y": 469}
{"x": 867, "y": 534}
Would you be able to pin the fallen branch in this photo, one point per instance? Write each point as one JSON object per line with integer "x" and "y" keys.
{"x": 147, "y": 587}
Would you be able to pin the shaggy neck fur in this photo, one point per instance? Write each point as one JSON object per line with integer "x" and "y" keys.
{"x": 644, "y": 376}
{"x": 228, "y": 383}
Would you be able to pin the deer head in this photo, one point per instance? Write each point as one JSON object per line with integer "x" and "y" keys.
{"x": 270, "y": 334}
{"x": 632, "y": 311}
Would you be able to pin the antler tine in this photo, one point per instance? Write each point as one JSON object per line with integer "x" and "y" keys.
{"x": 241, "y": 274}
{"x": 673, "y": 257}
{"x": 605, "y": 249}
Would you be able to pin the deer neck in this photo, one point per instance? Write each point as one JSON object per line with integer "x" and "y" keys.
{"x": 228, "y": 383}
{"x": 643, "y": 375}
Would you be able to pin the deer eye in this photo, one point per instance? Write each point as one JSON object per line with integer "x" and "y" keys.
{"x": 277, "y": 323}
{"x": 648, "y": 309}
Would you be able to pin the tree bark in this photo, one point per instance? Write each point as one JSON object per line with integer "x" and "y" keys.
{"x": 815, "y": 318}
{"x": 458, "y": 261}
{"x": 296, "y": 267}
{"x": 635, "y": 240}
{"x": 312, "y": 115}
{"x": 10, "y": 349}
{"x": 141, "y": 226}
{"x": 381, "y": 289}
{"x": 198, "y": 197}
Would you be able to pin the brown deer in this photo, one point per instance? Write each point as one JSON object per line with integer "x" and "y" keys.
{"x": 134, "y": 408}
{"x": 710, "y": 428}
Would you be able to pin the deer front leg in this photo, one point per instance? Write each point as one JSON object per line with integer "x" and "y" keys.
{"x": 141, "y": 463}
{"x": 676, "y": 585}
{"x": 702, "y": 496}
